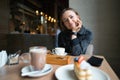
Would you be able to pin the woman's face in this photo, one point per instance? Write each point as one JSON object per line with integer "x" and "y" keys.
{"x": 70, "y": 19}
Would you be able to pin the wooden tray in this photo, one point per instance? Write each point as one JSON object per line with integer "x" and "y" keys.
{"x": 55, "y": 59}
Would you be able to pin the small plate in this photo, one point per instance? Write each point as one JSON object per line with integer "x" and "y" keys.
{"x": 66, "y": 73}
{"x": 26, "y": 71}
{"x": 62, "y": 54}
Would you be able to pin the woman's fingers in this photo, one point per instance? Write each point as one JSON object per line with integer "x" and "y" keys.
{"x": 77, "y": 25}
{"x": 78, "y": 22}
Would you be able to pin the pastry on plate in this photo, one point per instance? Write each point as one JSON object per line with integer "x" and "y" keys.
{"x": 82, "y": 68}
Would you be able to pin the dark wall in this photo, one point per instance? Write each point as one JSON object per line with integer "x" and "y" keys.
{"x": 4, "y": 17}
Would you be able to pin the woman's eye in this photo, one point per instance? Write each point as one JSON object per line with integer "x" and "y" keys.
{"x": 71, "y": 17}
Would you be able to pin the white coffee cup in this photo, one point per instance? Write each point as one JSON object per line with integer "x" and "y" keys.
{"x": 58, "y": 51}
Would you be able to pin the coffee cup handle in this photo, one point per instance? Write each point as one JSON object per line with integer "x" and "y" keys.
{"x": 53, "y": 51}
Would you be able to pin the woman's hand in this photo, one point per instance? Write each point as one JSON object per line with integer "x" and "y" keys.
{"x": 78, "y": 24}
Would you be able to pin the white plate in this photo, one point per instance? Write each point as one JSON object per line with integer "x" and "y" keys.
{"x": 27, "y": 71}
{"x": 66, "y": 73}
{"x": 62, "y": 54}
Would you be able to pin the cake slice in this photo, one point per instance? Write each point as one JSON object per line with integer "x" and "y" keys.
{"x": 82, "y": 69}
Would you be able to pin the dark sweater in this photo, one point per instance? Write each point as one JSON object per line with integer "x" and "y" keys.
{"x": 78, "y": 45}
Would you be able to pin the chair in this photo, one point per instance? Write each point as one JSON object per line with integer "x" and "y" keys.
{"x": 89, "y": 50}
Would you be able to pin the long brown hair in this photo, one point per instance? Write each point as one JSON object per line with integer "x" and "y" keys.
{"x": 63, "y": 11}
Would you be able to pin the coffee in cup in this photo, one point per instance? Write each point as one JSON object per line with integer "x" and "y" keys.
{"x": 38, "y": 57}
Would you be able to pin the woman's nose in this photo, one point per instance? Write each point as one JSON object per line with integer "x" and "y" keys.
{"x": 69, "y": 20}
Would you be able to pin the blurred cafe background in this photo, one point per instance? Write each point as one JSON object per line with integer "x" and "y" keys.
{"x": 25, "y": 23}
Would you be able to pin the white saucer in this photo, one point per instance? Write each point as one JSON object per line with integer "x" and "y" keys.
{"x": 26, "y": 71}
{"x": 62, "y": 54}
{"x": 67, "y": 73}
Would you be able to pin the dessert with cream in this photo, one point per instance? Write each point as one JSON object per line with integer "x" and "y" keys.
{"x": 82, "y": 69}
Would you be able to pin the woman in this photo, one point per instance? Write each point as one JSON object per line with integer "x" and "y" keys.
{"x": 74, "y": 37}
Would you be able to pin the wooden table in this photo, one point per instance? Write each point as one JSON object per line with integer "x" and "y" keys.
{"x": 13, "y": 72}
